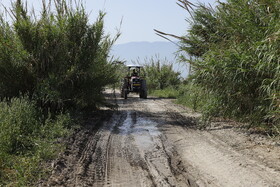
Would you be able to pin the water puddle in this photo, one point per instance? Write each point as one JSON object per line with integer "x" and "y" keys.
{"x": 126, "y": 126}
{"x": 141, "y": 129}
{"x": 145, "y": 125}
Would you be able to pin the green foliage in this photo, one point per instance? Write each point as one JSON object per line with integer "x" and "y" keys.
{"x": 14, "y": 75}
{"x": 160, "y": 75}
{"x": 59, "y": 62}
{"x": 192, "y": 95}
{"x": 166, "y": 93}
{"x": 236, "y": 47}
{"x": 18, "y": 123}
{"x": 59, "y": 59}
{"x": 25, "y": 140}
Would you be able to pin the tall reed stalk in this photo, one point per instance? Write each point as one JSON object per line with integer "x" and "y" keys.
{"x": 235, "y": 57}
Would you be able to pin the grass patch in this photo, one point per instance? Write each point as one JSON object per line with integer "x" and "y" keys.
{"x": 189, "y": 95}
{"x": 166, "y": 93}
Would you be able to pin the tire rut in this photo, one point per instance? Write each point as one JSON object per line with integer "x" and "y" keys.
{"x": 153, "y": 142}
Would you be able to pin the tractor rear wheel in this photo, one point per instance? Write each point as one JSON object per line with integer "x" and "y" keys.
{"x": 143, "y": 92}
{"x": 125, "y": 94}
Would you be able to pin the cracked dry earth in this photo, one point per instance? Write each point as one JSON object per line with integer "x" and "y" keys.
{"x": 153, "y": 142}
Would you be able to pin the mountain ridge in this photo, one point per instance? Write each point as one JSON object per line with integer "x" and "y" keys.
{"x": 133, "y": 50}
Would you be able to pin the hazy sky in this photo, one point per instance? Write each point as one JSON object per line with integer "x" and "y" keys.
{"x": 139, "y": 17}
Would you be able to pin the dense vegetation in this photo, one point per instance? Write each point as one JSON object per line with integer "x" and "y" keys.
{"x": 235, "y": 59}
{"x": 51, "y": 64}
{"x": 161, "y": 77}
{"x": 26, "y": 140}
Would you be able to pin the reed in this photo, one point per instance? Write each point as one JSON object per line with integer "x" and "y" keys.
{"x": 235, "y": 48}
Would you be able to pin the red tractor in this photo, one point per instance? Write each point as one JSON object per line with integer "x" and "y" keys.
{"x": 134, "y": 82}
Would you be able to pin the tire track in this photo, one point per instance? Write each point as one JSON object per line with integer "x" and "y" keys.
{"x": 154, "y": 142}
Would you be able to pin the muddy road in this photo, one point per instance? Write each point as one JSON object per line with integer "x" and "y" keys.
{"x": 154, "y": 142}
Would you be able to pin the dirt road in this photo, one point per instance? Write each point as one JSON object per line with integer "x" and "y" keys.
{"x": 154, "y": 142}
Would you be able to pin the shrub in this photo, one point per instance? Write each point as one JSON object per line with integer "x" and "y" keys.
{"x": 234, "y": 49}
{"x": 19, "y": 124}
{"x": 59, "y": 62}
{"x": 58, "y": 59}
{"x": 26, "y": 139}
{"x": 160, "y": 74}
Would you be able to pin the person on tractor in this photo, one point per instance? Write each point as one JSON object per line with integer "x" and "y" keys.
{"x": 134, "y": 73}
{"x": 134, "y": 83}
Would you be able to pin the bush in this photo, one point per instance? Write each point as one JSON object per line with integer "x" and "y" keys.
{"x": 26, "y": 139}
{"x": 160, "y": 75}
{"x": 19, "y": 124}
{"x": 58, "y": 59}
{"x": 15, "y": 78}
{"x": 235, "y": 58}
{"x": 59, "y": 62}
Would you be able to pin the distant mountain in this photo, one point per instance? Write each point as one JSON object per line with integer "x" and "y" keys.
{"x": 133, "y": 50}
{"x": 139, "y": 51}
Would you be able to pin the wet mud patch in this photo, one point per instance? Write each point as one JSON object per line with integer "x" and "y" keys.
{"x": 144, "y": 132}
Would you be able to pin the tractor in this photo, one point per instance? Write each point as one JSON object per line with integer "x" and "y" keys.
{"x": 134, "y": 82}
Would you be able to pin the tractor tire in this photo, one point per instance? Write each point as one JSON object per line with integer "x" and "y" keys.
{"x": 125, "y": 94}
{"x": 143, "y": 92}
